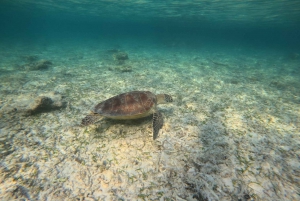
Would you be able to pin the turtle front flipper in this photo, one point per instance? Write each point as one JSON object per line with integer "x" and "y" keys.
{"x": 158, "y": 122}
{"x": 89, "y": 119}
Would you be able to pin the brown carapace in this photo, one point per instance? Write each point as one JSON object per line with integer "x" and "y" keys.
{"x": 130, "y": 105}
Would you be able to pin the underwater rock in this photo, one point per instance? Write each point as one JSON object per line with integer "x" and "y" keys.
{"x": 42, "y": 64}
{"x": 30, "y": 105}
{"x": 120, "y": 57}
{"x": 46, "y": 104}
{"x": 43, "y": 104}
{"x": 39, "y": 65}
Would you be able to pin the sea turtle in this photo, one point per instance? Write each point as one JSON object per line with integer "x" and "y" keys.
{"x": 130, "y": 105}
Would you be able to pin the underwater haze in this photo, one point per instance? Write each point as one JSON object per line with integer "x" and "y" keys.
{"x": 231, "y": 67}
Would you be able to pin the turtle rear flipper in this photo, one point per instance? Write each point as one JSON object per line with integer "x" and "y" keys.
{"x": 158, "y": 122}
{"x": 89, "y": 119}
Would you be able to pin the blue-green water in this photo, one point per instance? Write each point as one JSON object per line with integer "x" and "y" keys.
{"x": 232, "y": 68}
{"x": 259, "y": 24}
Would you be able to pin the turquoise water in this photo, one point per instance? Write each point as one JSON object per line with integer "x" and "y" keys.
{"x": 232, "y": 68}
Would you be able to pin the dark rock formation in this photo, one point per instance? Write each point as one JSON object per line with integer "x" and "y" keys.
{"x": 39, "y": 65}
{"x": 120, "y": 57}
{"x": 29, "y": 105}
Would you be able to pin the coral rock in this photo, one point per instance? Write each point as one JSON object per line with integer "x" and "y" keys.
{"x": 121, "y": 57}
{"x": 29, "y": 105}
{"x": 39, "y": 65}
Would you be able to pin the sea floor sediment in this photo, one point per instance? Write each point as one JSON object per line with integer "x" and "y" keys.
{"x": 232, "y": 132}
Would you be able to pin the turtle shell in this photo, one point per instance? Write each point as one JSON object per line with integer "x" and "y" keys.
{"x": 130, "y": 105}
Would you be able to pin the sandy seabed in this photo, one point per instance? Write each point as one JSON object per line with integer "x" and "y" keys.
{"x": 232, "y": 132}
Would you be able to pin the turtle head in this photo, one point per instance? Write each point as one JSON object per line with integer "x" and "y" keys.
{"x": 90, "y": 119}
{"x": 163, "y": 98}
